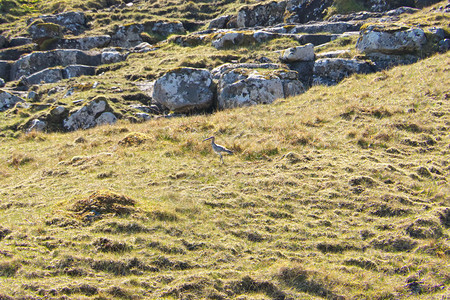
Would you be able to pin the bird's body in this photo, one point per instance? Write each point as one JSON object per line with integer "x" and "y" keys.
{"x": 218, "y": 148}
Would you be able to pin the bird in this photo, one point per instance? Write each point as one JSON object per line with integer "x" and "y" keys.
{"x": 218, "y": 148}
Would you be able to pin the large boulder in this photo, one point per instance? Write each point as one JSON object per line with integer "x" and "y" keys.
{"x": 219, "y": 22}
{"x": 127, "y": 36}
{"x": 40, "y": 60}
{"x": 250, "y": 86}
{"x": 72, "y": 22}
{"x": 301, "y": 53}
{"x": 185, "y": 90}
{"x": 165, "y": 28}
{"x": 304, "y": 11}
{"x": 8, "y": 100}
{"x": 330, "y": 71}
{"x": 77, "y": 71}
{"x": 378, "y": 40}
{"x": 261, "y": 14}
{"x": 96, "y": 112}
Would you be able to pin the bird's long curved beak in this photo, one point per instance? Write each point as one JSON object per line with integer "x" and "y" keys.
{"x": 208, "y": 138}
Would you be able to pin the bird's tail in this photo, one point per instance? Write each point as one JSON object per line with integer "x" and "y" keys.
{"x": 229, "y": 151}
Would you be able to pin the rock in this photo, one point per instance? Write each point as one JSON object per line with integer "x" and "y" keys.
{"x": 72, "y": 22}
{"x": 77, "y": 70}
{"x": 317, "y": 27}
{"x": 332, "y": 54}
{"x": 84, "y": 43}
{"x": 106, "y": 118}
{"x": 401, "y": 10}
{"x": 261, "y": 14}
{"x": 127, "y": 36}
{"x": 444, "y": 45}
{"x": 96, "y": 112}
{"x": 185, "y": 89}
{"x": 384, "y": 61}
{"x": 37, "y": 125}
{"x": 301, "y": 11}
{"x": 398, "y": 42}
{"x": 19, "y": 41}
{"x": 219, "y": 22}
{"x": 302, "y": 53}
{"x": 37, "y": 61}
{"x": 32, "y": 96}
{"x": 330, "y": 71}
{"x": 112, "y": 56}
{"x": 45, "y": 76}
{"x": 3, "y": 41}
{"x": 228, "y": 39}
{"x": 220, "y": 70}
{"x": 244, "y": 87}
{"x": 8, "y": 100}
{"x": 165, "y": 28}
{"x": 5, "y": 69}
{"x": 40, "y": 31}
{"x": 2, "y": 82}
{"x": 17, "y": 52}
{"x": 305, "y": 71}
{"x": 143, "y": 47}
{"x": 143, "y": 116}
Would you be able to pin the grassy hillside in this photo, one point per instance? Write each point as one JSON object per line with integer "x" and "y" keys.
{"x": 341, "y": 192}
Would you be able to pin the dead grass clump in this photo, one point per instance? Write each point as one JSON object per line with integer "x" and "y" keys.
{"x": 19, "y": 159}
{"x": 424, "y": 229}
{"x": 104, "y": 202}
{"x": 326, "y": 247}
{"x": 250, "y": 285}
{"x": 84, "y": 289}
{"x": 107, "y": 245}
{"x": 394, "y": 243}
{"x": 116, "y": 227}
{"x": 362, "y": 263}
{"x": 119, "y": 292}
{"x": 133, "y": 139}
{"x": 63, "y": 222}
{"x": 444, "y": 217}
{"x": 164, "y": 263}
{"x": 299, "y": 279}
{"x": 163, "y": 216}
{"x": 192, "y": 287}
{"x": 362, "y": 180}
{"x": 386, "y": 210}
{"x": 4, "y": 232}
{"x": 9, "y": 268}
{"x": 122, "y": 268}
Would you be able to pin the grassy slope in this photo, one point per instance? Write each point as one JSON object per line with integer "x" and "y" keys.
{"x": 321, "y": 199}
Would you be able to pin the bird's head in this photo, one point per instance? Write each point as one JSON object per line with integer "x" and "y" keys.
{"x": 210, "y": 138}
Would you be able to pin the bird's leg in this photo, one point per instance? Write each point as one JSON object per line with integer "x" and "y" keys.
{"x": 221, "y": 158}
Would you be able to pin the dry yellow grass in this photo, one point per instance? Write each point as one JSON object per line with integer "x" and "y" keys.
{"x": 339, "y": 192}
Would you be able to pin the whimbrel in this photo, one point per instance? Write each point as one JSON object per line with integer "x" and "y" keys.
{"x": 218, "y": 148}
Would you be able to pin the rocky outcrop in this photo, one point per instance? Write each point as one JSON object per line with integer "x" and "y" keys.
{"x": 127, "y": 36}
{"x": 3, "y": 41}
{"x": 96, "y": 112}
{"x": 84, "y": 43}
{"x": 5, "y": 69}
{"x": 166, "y": 28}
{"x": 37, "y": 61}
{"x": 330, "y": 71}
{"x": 252, "y": 85}
{"x": 261, "y": 14}
{"x": 8, "y": 100}
{"x": 40, "y": 31}
{"x": 71, "y": 22}
{"x": 37, "y": 125}
{"x": 376, "y": 40}
{"x": 184, "y": 90}
{"x": 44, "y": 76}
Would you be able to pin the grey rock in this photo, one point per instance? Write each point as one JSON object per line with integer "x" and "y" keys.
{"x": 37, "y": 125}
{"x": 143, "y": 47}
{"x": 330, "y": 71}
{"x": 5, "y": 69}
{"x": 220, "y": 70}
{"x": 305, "y": 71}
{"x": 40, "y": 60}
{"x": 73, "y": 22}
{"x": 8, "y": 100}
{"x": 332, "y": 54}
{"x": 398, "y": 42}
{"x": 78, "y": 70}
{"x": 244, "y": 87}
{"x": 165, "y": 28}
{"x": 261, "y": 14}
{"x": 16, "y": 53}
{"x": 32, "y": 96}
{"x": 228, "y": 39}
{"x": 143, "y": 116}
{"x": 302, "y": 53}
{"x": 444, "y": 45}
{"x": 106, "y": 118}
{"x": 184, "y": 90}
{"x": 127, "y": 36}
{"x": 387, "y": 61}
{"x": 39, "y": 31}
{"x": 3, "y": 41}
{"x": 110, "y": 57}
{"x": 401, "y": 10}
{"x": 331, "y": 27}
{"x": 86, "y": 116}
{"x": 19, "y": 41}
{"x": 219, "y": 22}
{"x": 45, "y": 76}
{"x": 2, "y": 82}
{"x": 84, "y": 43}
